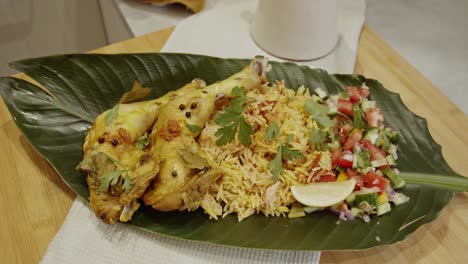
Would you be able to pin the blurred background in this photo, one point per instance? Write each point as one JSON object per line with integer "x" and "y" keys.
{"x": 430, "y": 34}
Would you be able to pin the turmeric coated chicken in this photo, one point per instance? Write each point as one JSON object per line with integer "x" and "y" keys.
{"x": 150, "y": 147}
{"x": 118, "y": 163}
{"x": 182, "y": 162}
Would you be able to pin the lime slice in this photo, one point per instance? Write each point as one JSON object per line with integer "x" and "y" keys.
{"x": 323, "y": 194}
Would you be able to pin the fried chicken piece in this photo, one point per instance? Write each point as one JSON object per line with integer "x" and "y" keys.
{"x": 182, "y": 162}
{"x": 118, "y": 172}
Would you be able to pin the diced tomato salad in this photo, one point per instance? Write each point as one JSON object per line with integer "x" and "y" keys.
{"x": 362, "y": 148}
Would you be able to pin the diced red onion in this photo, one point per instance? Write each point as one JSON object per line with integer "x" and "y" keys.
{"x": 348, "y": 156}
{"x": 357, "y": 147}
{"x": 366, "y": 218}
{"x": 342, "y": 216}
{"x": 349, "y": 215}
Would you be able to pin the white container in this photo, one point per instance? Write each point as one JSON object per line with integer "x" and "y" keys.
{"x": 296, "y": 29}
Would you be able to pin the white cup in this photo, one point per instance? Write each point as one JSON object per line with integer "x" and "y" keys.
{"x": 296, "y": 29}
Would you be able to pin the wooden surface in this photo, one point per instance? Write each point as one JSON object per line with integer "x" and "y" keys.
{"x": 34, "y": 201}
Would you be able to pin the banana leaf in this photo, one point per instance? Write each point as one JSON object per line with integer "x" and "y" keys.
{"x": 81, "y": 86}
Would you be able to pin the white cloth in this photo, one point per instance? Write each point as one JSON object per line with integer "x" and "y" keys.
{"x": 85, "y": 239}
{"x": 223, "y": 31}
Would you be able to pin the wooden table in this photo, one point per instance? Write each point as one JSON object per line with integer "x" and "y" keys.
{"x": 34, "y": 200}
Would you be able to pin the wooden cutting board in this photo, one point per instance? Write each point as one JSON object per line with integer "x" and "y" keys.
{"x": 34, "y": 201}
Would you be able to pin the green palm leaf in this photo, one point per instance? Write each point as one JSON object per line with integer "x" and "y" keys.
{"x": 82, "y": 86}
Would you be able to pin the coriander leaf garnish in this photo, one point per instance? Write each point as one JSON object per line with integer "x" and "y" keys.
{"x": 345, "y": 94}
{"x": 226, "y": 133}
{"x": 331, "y": 134}
{"x": 272, "y": 131}
{"x": 286, "y": 152}
{"x": 142, "y": 142}
{"x": 239, "y": 98}
{"x": 231, "y": 119}
{"x": 325, "y": 121}
{"x": 193, "y": 128}
{"x": 314, "y": 109}
{"x": 357, "y": 117}
{"x": 112, "y": 114}
{"x": 127, "y": 183}
{"x": 289, "y": 138}
{"x": 226, "y": 117}
{"x": 383, "y": 140}
{"x": 245, "y": 130}
{"x": 317, "y": 138}
{"x": 290, "y": 153}
{"x": 276, "y": 165}
{"x": 238, "y": 92}
{"x": 110, "y": 178}
{"x": 319, "y": 113}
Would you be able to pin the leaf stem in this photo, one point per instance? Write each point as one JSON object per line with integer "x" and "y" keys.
{"x": 452, "y": 182}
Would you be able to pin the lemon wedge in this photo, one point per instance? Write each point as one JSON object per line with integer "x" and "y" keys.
{"x": 323, "y": 194}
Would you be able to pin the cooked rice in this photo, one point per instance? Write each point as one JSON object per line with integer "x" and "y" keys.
{"x": 247, "y": 186}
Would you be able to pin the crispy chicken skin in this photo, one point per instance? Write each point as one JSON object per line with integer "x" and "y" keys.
{"x": 183, "y": 165}
{"x": 172, "y": 170}
{"x": 111, "y": 147}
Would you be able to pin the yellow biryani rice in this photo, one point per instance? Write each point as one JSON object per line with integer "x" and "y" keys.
{"x": 246, "y": 186}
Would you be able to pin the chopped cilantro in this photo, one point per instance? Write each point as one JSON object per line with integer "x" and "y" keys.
{"x": 232, "y": 119}
{"x": 290, "y": 153}
{"x": 383, "y": 140}
{"x": 317, "y": 138}
{"x": 127, "y": 183}
{"x": 325, "y": 121}
{"x": 239, "y": 98}
{"x": 286, "y": 152}
{"x": 226, "y": 133}
{"x": 319, "y": 113}
{"x": 272, "y": 131}
{"x": 193, "y": 128}
{"x": 245, "y": 130}
{"x": 357, "y": 117}
{"x": 344, "y": 95}
{"x": 110, "y": 178}
{"x": 315, "y": 109}
{"x": 276, "y": 165}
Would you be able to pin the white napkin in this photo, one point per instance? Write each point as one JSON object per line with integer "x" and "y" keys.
{"x": 85, "y": 239}
{"x": 223, "y": 31}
